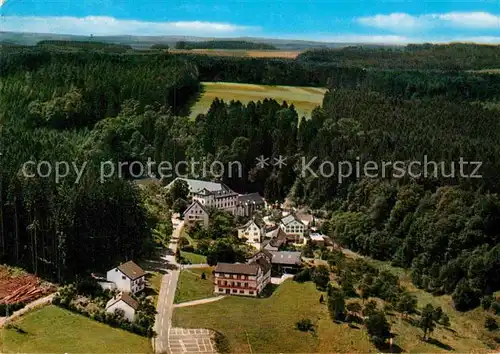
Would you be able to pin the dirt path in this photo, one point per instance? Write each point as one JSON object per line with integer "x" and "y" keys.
{"x": 199, "y": 302}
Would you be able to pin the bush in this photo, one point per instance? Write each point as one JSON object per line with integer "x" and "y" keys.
{"x": 303, "y": 276}
{"x": 188, "y": 248}
{"x": 221, "y": 343}
{"x": 486, "y": 302}
{"x": 304, "y": 325}
{"x": 496, "y": 307}
{"x": 8, "y": 309}
{"x": 490, "y": 323}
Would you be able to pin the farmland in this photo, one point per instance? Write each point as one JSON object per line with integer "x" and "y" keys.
{"x": 305, "y": 99}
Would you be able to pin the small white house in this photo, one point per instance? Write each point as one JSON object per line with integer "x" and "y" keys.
{"x": 196, "y": 213}
{"x": 294, "y": 227}
{"x": 253, "y": 233}
{"x": 123, "y": 301}
{"x": 128, "y": 277}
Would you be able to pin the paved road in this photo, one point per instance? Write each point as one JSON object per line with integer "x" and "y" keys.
{"x": 176, "y": 340}
{"x": 166, "y": 296}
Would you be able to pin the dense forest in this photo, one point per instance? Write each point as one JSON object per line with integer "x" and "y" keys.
{"x": 455, "y": 56}
{"x": 93, "y": 107}
{"x": 221, "y": 44}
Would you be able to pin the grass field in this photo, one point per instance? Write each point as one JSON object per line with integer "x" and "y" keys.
{"x": 191, "y": 287}
{"x": 240, "y": 53}
{"x": 194, "y": 258}
{"x": 305, "y": 99}
{"x": 270, "y": 325}
{"x": 54, "y": 330}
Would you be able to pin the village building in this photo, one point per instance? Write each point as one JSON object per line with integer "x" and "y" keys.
{"x": 253, "y": 233}
{"x": 196, "y": 213}
{"x": 248, "y": 204}
{"x": 127, "y": 277}
{"x": 245, "y": 279}
{"x": 285, "y": 262}
{"x": 294, "y": 228}
{"x": 123, "y": 301}
{"x": 210, "y": 194}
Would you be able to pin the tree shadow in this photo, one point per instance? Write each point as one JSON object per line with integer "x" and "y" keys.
{"x": 411, "y": 321}
{"x": 439, "y": 344}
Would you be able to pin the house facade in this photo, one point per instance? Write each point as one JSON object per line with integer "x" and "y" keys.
{"x": 286, "y": 262}
{"x": 248, "y": 204}
{"x": 124, "y": 302}
{"x": 196, "y": 213}
{"x": 294, "y": 228}
{"x": 210, "y": 194}
{"x": 253, "y": 233}
{"x": 244, "y": 279}
{"x": 128, "y": 277}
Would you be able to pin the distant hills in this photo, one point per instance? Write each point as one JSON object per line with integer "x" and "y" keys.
{"x": 145, "y": 42}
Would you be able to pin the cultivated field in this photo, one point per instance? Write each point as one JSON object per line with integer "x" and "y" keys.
{"x": 54, "y": 330}
{"x": 305, "y": 99}
{"x": 240, "y": 53}
{"x": 268, "y": 325}
{"x": 19, "y": 286}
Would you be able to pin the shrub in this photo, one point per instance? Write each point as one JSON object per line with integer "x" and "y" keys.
{"x": 486, "y": 302}
{"x": 490, "y": 323}
{"x": 188, "y": 248}
{"x": 303, "y": 276}
{"x": 8, "y": 309}
{"x": 304, "y": 325}
{"x": 221, "y": 343}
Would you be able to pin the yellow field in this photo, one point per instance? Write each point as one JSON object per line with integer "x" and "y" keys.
{"x": 291, "y": 54}
{"x": 305, "y": 99}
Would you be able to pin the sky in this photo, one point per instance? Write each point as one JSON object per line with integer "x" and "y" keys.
{"x": 364, "y": 21}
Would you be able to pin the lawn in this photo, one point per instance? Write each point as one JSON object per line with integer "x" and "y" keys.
{"x": 54, "y": 330}
{"x": 153, "y": 285}
{"x": 268, "y": 325}
{"x": 194, "y": 258}
{"x": 305, "y": 99}
{"x": 192, "y": 287}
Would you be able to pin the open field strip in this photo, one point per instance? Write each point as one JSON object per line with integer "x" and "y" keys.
{"x": 289, "y": 54}
{"x": 305, "y": 99}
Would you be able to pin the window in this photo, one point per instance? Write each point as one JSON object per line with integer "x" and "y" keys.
{"x": 123, "y": 277}
{"x": 235, "y": 291}
{"x": 238, "y": 284}
{"x": 251, "y": 292}
{"x": 246, "y": 285}
{"x": 221, "y": 290}
{"x": 242, "y": 291}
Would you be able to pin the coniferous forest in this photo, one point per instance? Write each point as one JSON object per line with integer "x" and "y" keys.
{"x": 382, "y": 105}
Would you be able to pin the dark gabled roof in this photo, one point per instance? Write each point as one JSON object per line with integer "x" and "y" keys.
{"x": 192, "y": 205}
{"x": 126, "y": 298}
{"x": 264, "y": 265}
{"x": 253, "y": 198}
{"x": 287, "y": 258}
{"x": 268, "y": 254}
{"x": 237, "y": 268}
{"x": 131, "y": 270}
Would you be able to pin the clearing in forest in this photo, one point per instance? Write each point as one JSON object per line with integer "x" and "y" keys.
{"x": 305, "y": 99}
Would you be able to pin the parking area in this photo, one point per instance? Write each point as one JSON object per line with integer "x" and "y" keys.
{"x": 182, "y": 340}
